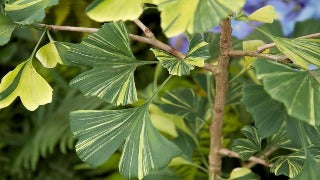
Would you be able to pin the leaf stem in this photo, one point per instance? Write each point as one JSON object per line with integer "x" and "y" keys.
{"x": 38, "y": 44}
{"x": 158, "y": 90}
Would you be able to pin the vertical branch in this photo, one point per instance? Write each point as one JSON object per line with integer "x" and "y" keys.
{"x": 220, "y": 100}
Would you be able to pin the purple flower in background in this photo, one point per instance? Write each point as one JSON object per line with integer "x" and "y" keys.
{"x": 289, "y": 12}
{"x": 180, "y": 43}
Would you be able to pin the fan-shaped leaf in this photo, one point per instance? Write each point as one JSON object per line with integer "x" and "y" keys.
{"x": 6, "y": 28}
{"x": 28, "y": 12}
{"x": 49, "y": 55}
{"x": 298, "y": 90}
{"x": 198, "y": 52}
{"x": 178, "y": 16}
{"x": 243, "y": 174}
{"x": 247, "y": 147}
{"x": 24, "y": 81}
{"x": 300, "y": 51}
{"x": 115, "y": 10}
{"x": 267, "y": 112}
{"x": 289, "y": 165}
{"x": 185, "y": 103}
{"x": 100, "y": 134}
{"x": 108, "y": 52}
{"x": 265, "y": 14}
{"x": 311, "y": 170}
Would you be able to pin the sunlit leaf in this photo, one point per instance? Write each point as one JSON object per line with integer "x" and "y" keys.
{"x": 197, "y": 54}
{"x": 195, "y": 15}
{"x": 49, "y": 55}
{"x": 298, "y": 90}
{"x": 101, "y": 133}
{"x": 249, "y": 146}
{"x": 6, "y": 29}
{"x": 26, "y": 11}
{"x": 24, "y": 81}
{"x": 265, "y": 14}
{"x": 108, "y": 52}
{"x": 268, "y": 113}
{"x": 115, "y": 10}
{"x": 250, "y": 46}
{"x": 243, "y": 174}
{"x": 187, "y": 104}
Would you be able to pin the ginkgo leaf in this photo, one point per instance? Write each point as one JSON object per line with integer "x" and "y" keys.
{"x": 49, "y": 55}
{"x": 265, "y": 14}
{"x": 188, "y": 105}
{"x": 195, "y": 15}
{"x": 108, "y": 52}
{"x": 24, "y": 81}
{"x": 115, "y": 10}
{"x": 101, "y": 133}
{"x": 242, "y": 173}
{"x": 249, "y": 46}
{"x": 310, "y": 170}
{"x": 6, "y": 28}
{"x": 301, "y": 51}
{"x": 26, "y": 11}
{"x": 197, "y": 54}
{"x": 267, "y": 113}
{"x": 298, "y": 90}
{"x": 289, "y": 165}
{"x": 250, "y": 146}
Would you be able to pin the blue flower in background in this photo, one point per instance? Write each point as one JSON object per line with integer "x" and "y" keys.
{"x": 289, "y": 12}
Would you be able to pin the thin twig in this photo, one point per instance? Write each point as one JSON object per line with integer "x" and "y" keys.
{"x": 144, "y": 28}
{"x": 255, "y": 160}
{"x": 255, "y": 54}
{"x": 262, "y": 156}
{"x": 271, "y": 45}
{"x": 152, "y": 40}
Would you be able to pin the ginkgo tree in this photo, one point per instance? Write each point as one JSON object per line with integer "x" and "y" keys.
{"x": 282, "y": 93}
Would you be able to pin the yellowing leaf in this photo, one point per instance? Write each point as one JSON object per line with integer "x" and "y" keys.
{"x": 265, "y": 14}
{"x": 115, "y": 10}
{"x": 249, "y": 46}
{"x": 24, "y": 81}
{"x": 48, "y": 55}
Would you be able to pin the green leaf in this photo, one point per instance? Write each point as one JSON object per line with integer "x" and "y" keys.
{"x": 267, "y": 112}
{"x": 108, "y": 52}
{"x": 297, "y": 90}
{"x": 300, "y": 51}
{"x": 115, "y": 10}
{"x": 26, "y": 11}
{"x": 197, "y": 54}
{"x": 250, "y": 146}
{"x": 265, "y": 14}
{"x": 289, "y": 165}
{"x": 188, "y": 105}
{"x": 49, "y": 55}
{"x": 101, "y": 133}
{"x": 6, "y": 28}
{"x": 243, "y": 174}
{"x": 178, "y": 16}
{"x": 249, "y": 46}
{"x": 24, "y": 81}
{"x": 311, "y": 170}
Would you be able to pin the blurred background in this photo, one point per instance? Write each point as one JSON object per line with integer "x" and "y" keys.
{"x": 39, "y": 145}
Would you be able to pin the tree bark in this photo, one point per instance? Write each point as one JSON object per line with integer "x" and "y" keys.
{"x": 220, "y": 100}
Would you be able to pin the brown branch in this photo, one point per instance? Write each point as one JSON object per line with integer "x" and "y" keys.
{"x": 236, "y": 53}
{"x": 148, "y": 40}
{"x": 263, "y": 156}
{"x": 271, "y": 45}
{"x": 254, "y": 160}
{"x": 145, "y": 29}
{"x": 220, "y": 100}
